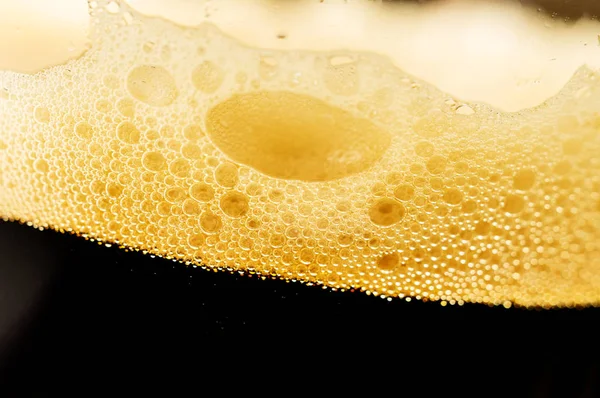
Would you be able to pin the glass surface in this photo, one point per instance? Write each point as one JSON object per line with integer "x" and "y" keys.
{"x": 446, "y": 151}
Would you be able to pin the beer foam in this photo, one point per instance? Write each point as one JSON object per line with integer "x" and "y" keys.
{"x": 329, "y": 167}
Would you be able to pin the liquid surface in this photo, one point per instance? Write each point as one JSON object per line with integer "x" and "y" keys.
{"x": 334, "y": 168}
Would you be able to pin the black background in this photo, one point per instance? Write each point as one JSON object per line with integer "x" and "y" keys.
{"x": 70, "y": 308}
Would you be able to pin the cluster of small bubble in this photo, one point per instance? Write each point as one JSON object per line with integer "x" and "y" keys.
{"x": 411, "y": 194}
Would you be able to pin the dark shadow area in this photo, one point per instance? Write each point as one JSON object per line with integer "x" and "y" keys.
{"x": 26, "y": 273}
{"x": 109, "y": 314}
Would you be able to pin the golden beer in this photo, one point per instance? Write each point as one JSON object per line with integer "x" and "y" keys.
{"x": 295, "y": 145}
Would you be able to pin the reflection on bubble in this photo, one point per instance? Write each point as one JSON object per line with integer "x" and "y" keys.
{"x": 294, "y": 136}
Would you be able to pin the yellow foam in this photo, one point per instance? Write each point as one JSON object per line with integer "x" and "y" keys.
{"x": 332, "y": 167}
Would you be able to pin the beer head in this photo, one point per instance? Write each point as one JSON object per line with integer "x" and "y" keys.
{"x": 269, "y": 150}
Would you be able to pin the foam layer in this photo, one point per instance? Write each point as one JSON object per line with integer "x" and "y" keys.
{"x": 334, "y": 167}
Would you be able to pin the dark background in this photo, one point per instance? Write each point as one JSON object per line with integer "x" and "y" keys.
{"x": 70, "y": 309}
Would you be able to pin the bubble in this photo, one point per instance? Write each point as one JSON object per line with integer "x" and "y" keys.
{"x": 253, "y": 223}
{"x": 436, "y": 164}
{"x": 294, "y": 136}
{"x": 388, "y": 262}
{"x": 404, "y": 192}
{"x": 436, "y": 184}
{"x": 179, "y": 168}
{"x": 469, "y": 206}
{"x": 306, "y": 256}
{"x": 378, "y": 189}
{"x": 394, "y": 178}
{"x": 113, "y": 7}
{"x": 152, "y": 85}
{"x": 207, "y": 77}
{"x": 524, "y": 179}
{"x": 514, "y": 204}
{"x": 41, "y": 114}
{"x": 424, "y": 149}
{"x": 202, "y": 192}
{"x": 126, "y": 107}
{"x": 453, "y": 196}
{"x": 234, "y": 204}
{"x": 175, "y": 195}
{"x": 154, "y": 161}
{"x": 226, "y": 175}
{"x": 41, "y": 165}
{"x": 483, "y": 228}
{"x": 114, "y": 226}
{"x": 196, "y": 241}
{"x": 191, "y": 151}
{"x": 114, "y": 189}
{"x": 84, "y": 130}
{"x": 191, "y": 207}
{"x": 461, "y": 167}
{"x": 276, "y": 195}
{"x": 128, "y": 133}
{"x": 417, "y": 169}
{"x": 277, "y": 240}
{"x": 386, "y": 212}
{"x": 193, "y": 132}
{"x": 210, "y": 223}
{"x": 345, "y": 240}
{"x": 103, "y": 106}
